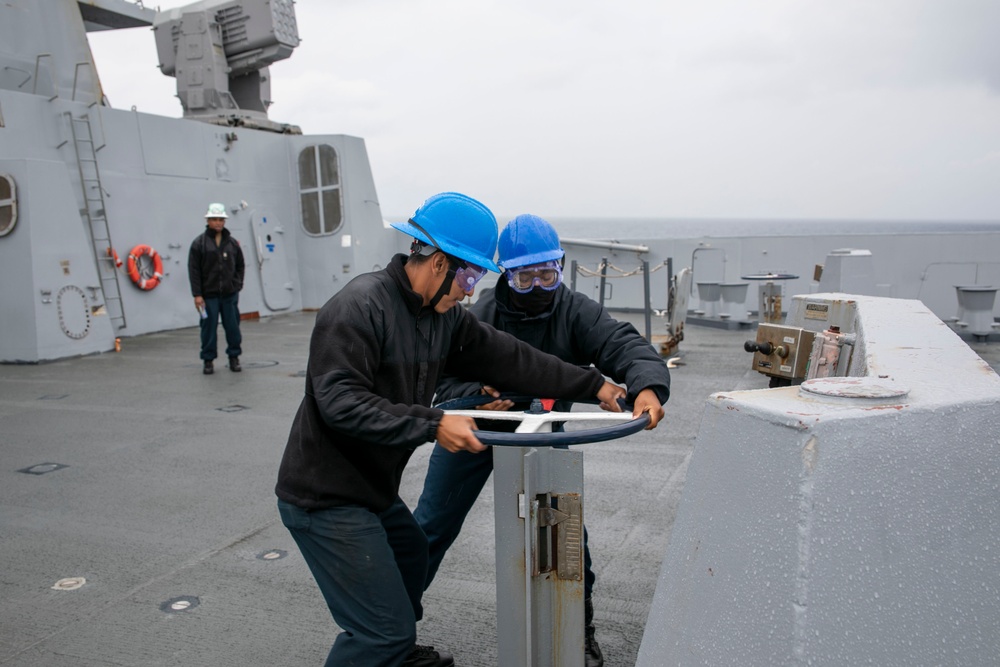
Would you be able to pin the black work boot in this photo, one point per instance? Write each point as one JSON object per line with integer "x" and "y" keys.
{"x": 234, "y": 364}
{"x": 591, "y": 651}
{"x": 208, "y": 369}
{"x": 426, "y": 656}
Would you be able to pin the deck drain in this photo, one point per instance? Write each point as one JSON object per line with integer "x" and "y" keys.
{"x": 42, "y": 468}
{"x": 233, "y": 408}
{"x": 182, "y": 603}
{"x": 69, "y": 584}
{"x": 300, "y": 374}
{"x": 273, "y": 554}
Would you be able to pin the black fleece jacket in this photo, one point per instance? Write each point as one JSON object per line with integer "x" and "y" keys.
{"x": 215, "y": 270}
{"x": 576, "y": 329}
{"x": 375, "y": 358}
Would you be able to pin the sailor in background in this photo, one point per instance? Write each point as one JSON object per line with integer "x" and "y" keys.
{"x": 215, "y": 269}
{"x": 377, "y": 351}
{"x": 531, "y": 303}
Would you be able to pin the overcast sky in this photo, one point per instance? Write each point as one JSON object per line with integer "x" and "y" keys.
{"x": 861, "y": 109}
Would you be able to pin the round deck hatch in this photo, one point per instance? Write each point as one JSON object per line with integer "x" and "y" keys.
{"x": 855, "y": 387}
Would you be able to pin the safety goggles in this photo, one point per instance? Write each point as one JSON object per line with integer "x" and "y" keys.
{"x": 547, "y": 275}
{"x": 467, "y": 275}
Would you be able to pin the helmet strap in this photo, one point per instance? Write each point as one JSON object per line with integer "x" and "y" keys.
{"x": 449, "y": 280}
{"x": 430, "y": 238}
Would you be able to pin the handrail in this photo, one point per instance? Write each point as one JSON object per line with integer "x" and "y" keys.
{"x": 606, "y": 245}
{"x": 34, "y": 85}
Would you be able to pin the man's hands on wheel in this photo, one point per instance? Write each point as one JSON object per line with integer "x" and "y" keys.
{"x": 608, "y": 396}
{"x": 499, "y": 404}
{"x": 456, "y": 433}
{"x": 647, "y": 402}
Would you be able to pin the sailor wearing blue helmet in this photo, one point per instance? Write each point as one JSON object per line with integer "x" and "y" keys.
{"x": 378, "y": 349}
{"x": 530, "y": 302}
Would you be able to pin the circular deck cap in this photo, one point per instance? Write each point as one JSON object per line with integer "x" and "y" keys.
{"x": 855, "y": 387}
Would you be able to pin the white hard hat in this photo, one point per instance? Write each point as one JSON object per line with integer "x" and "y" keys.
{"x": 216, "y": 211}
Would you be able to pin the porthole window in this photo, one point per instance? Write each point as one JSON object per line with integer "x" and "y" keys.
{"x": 319, "y": 189}
{"x": 8, "y": 205}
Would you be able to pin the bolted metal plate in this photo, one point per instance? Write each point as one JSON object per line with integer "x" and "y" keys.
{"x": 74, "y": 313}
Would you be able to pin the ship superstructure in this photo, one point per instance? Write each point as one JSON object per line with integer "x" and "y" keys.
{"x": 82, "y": 184}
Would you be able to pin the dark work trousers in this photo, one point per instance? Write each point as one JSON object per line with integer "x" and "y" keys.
{"x": 228, "y": 307}
{"x": 371, "y": 570}
{"x": 453, "y": 482}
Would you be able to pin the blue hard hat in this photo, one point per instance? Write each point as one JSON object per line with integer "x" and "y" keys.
{"x": 458, "y": 225}
{"x": 528, "y": 239}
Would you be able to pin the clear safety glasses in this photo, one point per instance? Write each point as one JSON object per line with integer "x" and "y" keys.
{"x": 547, "y": 275}
{"x": 468, "y": 275}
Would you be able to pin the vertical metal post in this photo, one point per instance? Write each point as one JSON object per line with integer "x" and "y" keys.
{"x": 539, "y": 556}
{"x": 572, "y": 275}
{"x": 671, "y": 289}
{"x": 770, "y": 302}
{"x": 604, "y": 278}
{"x": 645, "y": 293}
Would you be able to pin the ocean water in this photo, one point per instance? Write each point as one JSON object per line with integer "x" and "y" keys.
{"x": 660, "y": 228}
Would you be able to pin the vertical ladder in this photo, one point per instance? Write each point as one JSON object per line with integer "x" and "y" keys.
{"x": 97, "y": 220}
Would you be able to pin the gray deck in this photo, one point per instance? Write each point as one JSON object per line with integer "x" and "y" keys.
{"x": 167, "y": 492}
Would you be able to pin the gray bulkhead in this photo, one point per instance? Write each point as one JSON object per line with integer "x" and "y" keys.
{"x": 84, "y": 172}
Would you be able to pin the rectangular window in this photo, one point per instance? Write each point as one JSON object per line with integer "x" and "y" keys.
{"x": 8, "y": 205}
{"x": 307, "y": 169}
{"x": 310, "y": 213}
{"x": 319, "y": 188}
{"x": 331, "y": 210}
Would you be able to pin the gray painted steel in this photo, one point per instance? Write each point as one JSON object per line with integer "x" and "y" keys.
{"x": 89, "y": 177}
{"x": 539, "y": 610}
{"x": 850, "y": 522}
{"x": 911, "y": 261}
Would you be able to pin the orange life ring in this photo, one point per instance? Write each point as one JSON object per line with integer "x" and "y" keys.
{"x": 146, "y": 283}
{"x": 114, "y": 254}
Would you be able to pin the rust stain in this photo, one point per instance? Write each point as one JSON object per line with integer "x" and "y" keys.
{"x": 886, "y": 407}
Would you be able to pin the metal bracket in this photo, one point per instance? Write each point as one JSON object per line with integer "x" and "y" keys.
{"x": 550, "y": 516}
{"x": 557, "y": 535}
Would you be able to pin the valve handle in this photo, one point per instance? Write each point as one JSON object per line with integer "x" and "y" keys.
{"x": 499, "y": 438}
{"x": 764, "y": 348}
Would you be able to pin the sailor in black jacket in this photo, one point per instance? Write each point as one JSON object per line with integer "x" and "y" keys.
{"x": 215, "y": 272}
{"x": 377, "y": 351}
{"x": 531, "y": 303}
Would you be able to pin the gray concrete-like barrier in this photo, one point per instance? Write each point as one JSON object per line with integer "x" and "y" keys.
{"x": 855, "y": 525}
